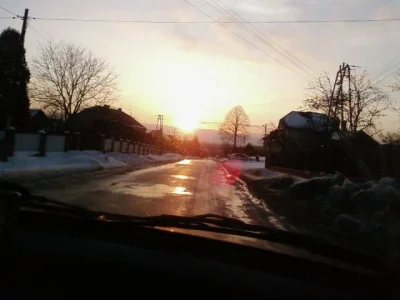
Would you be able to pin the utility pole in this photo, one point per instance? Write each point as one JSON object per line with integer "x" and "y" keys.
{"x": 159, "y": 130}
{"x": 349, "y": 100}
{"x": 24, "y": 25}
{"x": 265, "y": 129}
{"x": 265, "y": 145}
{"x": 337, "y": 102}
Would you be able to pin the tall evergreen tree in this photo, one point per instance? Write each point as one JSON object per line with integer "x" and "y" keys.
{"x": 14, "y": 78}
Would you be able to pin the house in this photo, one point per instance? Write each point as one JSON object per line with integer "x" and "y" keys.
{"x": 38, "y": 120}
{"x": 300, "y": 129}
{"x": 296, "y": 121}
{"x": 312, "y": 141}
{"x": 108, "y": 121}
{"x": 356, "y": 154}
{"x": 299, "y": 137}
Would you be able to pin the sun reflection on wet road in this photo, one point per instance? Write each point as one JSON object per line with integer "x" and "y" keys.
{"x": 190, "y": 187}
{"x": 184, "y": 162}
{"x": 179, "y": 190}
{"x": 183, "y": 177}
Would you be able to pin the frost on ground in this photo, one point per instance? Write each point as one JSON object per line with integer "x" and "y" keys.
{"x": 26, "y": 164}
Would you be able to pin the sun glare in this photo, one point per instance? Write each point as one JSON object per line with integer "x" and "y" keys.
{"x": 187, "y": 121}
{"x": 191, "y": 86}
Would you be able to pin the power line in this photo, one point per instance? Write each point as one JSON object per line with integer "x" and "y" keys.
{"x": 217, "y": 22}
{"x": 7, "y": 18}
{"x": 37, "y": 32}
{"x": 245, "y": 40}
{"x": 10, "y": 12}
{"x": 387, "y": 76}
{"x": 247, "y": 27}
{"x": 386, "y": 71}
{"x": 269, "y": 40}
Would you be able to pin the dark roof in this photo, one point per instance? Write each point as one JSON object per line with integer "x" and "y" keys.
{"x": 362, "y": 137}
{"x": 84, "y": 120}
{"x": 35, "y": 112}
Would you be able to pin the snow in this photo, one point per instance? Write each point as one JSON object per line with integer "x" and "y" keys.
{"x": 166, "y": 156}
{"x": 249, "y": 168}
{"x": 350, "y": 206}
{"x": 24, "y": 163}
{"x": 295, "y": 119}
{"x": 34, "y": 112}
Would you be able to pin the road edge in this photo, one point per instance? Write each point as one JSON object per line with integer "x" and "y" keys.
{"x": 37, "y": 178}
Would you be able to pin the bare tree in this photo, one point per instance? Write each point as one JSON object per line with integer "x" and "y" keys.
{"x": 391, "y": 138}
{"x": 319, "y": 94}
{"x": 364, "y": 103}
{"x": 235, "y": 126}
{"x": 396, "y": 88}
{"x": 68, "y": 78}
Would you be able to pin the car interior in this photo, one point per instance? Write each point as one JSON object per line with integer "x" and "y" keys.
{"x": 49, "y": 251}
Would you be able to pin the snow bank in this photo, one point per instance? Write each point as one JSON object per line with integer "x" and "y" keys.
{"x": 244, "y": 165}
{"x": 251, "y": 169}
{"x": 25, "y": 164}
{"x": 164, "y": 157}
{"x": 127, "y": 158}
{"x": 370, "y": 210}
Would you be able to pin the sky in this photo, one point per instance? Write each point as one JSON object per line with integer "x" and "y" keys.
{"x": 195, "y": 73}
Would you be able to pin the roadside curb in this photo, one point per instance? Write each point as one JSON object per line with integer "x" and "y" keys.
{"x": 249, "y": 182}
{"x": 248, "y": 178}
{"x": 36, "y": 178}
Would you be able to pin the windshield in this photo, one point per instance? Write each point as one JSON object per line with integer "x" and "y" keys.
{"x": 243, "y": 109}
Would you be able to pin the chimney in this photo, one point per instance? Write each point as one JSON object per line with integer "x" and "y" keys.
{"x": 120, "y": 109}
{"x": 106, "y": 106}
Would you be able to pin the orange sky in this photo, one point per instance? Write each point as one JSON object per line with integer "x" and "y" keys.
{"x": 196, "y": 72}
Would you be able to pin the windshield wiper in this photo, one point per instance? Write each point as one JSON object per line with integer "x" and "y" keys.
{"x": 42, "y": 202}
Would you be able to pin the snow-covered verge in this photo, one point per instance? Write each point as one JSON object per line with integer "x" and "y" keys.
{"x": 368, "y": 213}
{"x": 249, "y": 170}
{"x": 358, "y": 215}
{"x": 24, "y": 166}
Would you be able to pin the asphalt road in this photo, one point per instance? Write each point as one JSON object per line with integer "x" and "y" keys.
{"x": 186, "y": 188}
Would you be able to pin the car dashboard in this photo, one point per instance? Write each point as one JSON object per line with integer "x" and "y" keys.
{"x": 56, "y": 255}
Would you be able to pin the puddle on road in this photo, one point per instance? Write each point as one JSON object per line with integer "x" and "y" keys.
{"x": 184, "y": 162}
{"x": 179, "y": 190}
{"x": 151, "y": 191}
{"x": 184, "y": 177}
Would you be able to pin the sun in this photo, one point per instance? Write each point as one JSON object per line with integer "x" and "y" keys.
{"x": 187, "y": 121}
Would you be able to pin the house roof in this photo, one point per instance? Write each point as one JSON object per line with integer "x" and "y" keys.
{"x": 34, "y": 112}
{"x": 359, "y": 136}
{"x": 84, "y": 120}
{"x": 306, "y": 119}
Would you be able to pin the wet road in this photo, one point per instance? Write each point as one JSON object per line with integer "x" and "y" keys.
{"x": 186, "y": 188}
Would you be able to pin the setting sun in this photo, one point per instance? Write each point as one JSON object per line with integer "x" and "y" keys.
{"x": 187, "y": 121}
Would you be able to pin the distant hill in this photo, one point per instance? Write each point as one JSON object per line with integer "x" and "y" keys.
{"x": 207, "y": 135}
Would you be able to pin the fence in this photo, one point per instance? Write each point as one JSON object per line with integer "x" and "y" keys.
{"x": 42, "y": 143}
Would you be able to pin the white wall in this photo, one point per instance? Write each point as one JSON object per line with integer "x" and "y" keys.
{"x": 117, "y": 145}
{"x": 124, "y": 146}
{"x": 131, "y": 148}
{"x": 55, "y": 143}
{"x": 27, "y": 142}
{"x": 136, "y": 148}
{"x": 108, "y": 145}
